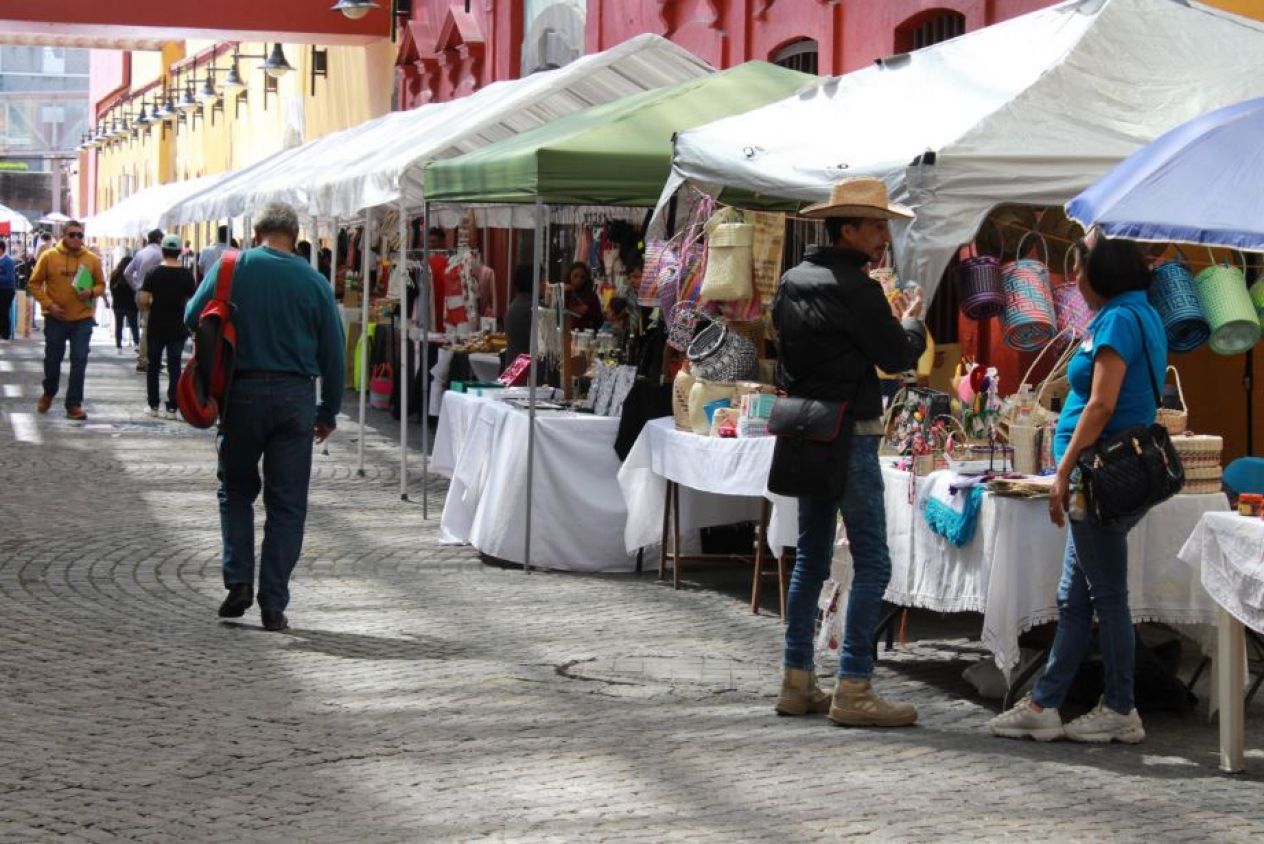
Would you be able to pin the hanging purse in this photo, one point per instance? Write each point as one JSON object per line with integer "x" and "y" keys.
{"x": 1127, "y": 473}
{"x": 730, "y": 257}
{"x": 811, "y": 452}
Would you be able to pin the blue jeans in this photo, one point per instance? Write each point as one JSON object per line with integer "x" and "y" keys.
{"x": 864, "y": 517}
{"x": 153, "y": 374}
{"x": 56, "y": 334}
{"x": 269, "y": 418}
{"x": 1094, "y": 578}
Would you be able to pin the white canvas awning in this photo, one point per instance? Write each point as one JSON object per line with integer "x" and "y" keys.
{"x": 1028, "y": 111}
{"x": 380, "y": 162}
{"x": 144, "y": 210}
{"x": 18, "y": 223}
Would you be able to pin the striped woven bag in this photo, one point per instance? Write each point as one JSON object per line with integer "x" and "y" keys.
{"x": 1029, "y": 320}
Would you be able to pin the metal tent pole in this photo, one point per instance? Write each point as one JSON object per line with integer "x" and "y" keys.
{"x": 405, "y": 352}
{"x": 531, "y": 380}
{"x": 365, "y": 256}
{"x": 314, "y": 258}
{"x": 424, "y": 298}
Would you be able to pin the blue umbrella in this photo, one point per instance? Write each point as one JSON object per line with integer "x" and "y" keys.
{"x": 1198, "y": 183}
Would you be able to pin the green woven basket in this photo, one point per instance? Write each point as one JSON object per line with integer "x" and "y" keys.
{"x": 1257, "y": 297}
{"x": 1235, "y": 324}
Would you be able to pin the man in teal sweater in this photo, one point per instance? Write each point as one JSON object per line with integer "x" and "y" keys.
{"x": 289, "y": 334}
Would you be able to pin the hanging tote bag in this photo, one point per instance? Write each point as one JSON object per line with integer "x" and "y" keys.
{"x": 979, "y": 284}
{"x": 1127, "y": 473}
{"x": 662, "y": 266}
{"x": 1029, "y": 320}
{"x": 1235, "y": 326}
{"x": 380, "y": 386}
{"x": 678, "y": 296}
{"x": 1073, "y": 312}
{"x": 730, "y": 257}
{"x": 1173, "y": 295}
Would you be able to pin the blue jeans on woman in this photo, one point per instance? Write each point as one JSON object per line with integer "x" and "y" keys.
{"x": 1094, "y": 578}
{"x": 57, "y": 333}
{"x": 864, "y": 517}
{"x": 268, "y": 416}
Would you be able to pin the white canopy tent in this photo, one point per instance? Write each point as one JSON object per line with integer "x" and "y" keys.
{"x": 1028, "y": 111}
{"x": 144, "y": 210}
{"x": 380, "y": 162}
{"x": 18, "y": 223}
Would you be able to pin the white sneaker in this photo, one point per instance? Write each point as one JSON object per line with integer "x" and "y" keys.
{"x": 1104, "y": 725}
{"x": 171, "y": 414}
{"x": 151, "y": 411}
{"x": 1019, "y": 721}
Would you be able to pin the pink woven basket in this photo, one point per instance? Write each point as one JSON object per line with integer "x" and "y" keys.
{"x": 1029, "y": 320}
{"x": 1073, "y": 312}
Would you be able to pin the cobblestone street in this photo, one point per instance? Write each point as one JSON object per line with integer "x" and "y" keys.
{"x": 422, "y": 695}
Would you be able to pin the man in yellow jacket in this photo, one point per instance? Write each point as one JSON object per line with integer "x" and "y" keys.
{"x": 66, "y": 281}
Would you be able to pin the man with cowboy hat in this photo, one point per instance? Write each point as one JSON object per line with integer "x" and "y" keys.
{"x": 836, "y": 327}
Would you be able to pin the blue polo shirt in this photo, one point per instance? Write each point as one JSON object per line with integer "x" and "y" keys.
{"x": 1119, "y": 325}
{"x": 286, "y": 320}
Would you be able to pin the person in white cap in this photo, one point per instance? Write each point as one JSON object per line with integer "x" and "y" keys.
{"x": 835, "y": 328}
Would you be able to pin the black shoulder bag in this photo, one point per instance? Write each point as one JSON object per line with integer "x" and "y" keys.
{"x": 1127, "y": 473}
{"x": 811, "y": 453}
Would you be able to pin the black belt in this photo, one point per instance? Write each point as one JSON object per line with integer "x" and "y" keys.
{"x": 271, "y": 375}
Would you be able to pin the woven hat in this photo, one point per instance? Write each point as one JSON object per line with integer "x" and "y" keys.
{"x": 863, "y": 196}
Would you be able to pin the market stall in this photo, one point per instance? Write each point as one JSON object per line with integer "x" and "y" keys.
{"x": 1029, "y": 111}
{"x": 610, "y": 155}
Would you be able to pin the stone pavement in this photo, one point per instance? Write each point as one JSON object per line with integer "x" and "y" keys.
{"x": 425, "y": 696}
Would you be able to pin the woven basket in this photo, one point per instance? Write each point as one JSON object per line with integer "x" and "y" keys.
{"x": 1172, "y": 295}
{"x": 1198, "y": 450}
{"x": 730, "y": 270}
{"x": 979, "y": 286}
{"x": 1176, "y": 421}
{"x": 1073, "y": 312}
{"x": 753, "y": 330}
{"x": 682, "y": 324}
{"x": 1029, "y": 319}
{"x": 1025, "y": 440}
{"x": 1235, "y": 325}
{"x": 717, "y": 353}
{"x": 1257, "y": 299}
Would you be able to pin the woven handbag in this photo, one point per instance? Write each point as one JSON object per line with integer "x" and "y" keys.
{"x": 1029, "y": 320}
{"x": 1176, "y": 421}
{"x": 1235, "y": 325}
{"x": 1073, "y": 312}
{"x": 662, "y": 266}
{"x": 730, "y": 257}
{"x": 979, "y": 284}
{"x": 1172, "y": 294}
{"x": 722, "y": 355}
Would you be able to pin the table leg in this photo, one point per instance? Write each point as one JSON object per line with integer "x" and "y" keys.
{"x": 757, "y": 585}
{"x": 675, "y": 510}
{"x": 1230, "y": 656}
{"x": 783, "y": 579}
{"x": 662, "y": 548}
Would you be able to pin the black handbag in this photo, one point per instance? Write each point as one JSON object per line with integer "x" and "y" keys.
{"x": 1127, "y": 473}
{"x": 813, "y": 442}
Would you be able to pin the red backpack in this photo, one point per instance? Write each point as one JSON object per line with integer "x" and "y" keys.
{"x": 203, "y": 385}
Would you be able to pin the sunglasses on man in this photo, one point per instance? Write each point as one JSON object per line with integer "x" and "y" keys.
{"x": 73, "y": 235}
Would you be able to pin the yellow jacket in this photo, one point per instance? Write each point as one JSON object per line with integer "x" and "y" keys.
{"x": 53, "y": 281}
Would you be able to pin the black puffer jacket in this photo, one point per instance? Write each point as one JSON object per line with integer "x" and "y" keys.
{"x": 834, "y": 328}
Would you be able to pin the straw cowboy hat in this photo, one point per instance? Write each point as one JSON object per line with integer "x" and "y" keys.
{"x": 863, "y": 196}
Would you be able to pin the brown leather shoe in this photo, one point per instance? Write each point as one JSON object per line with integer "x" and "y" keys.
{"x": 76, "y": 414}
{"x": 44, "y": 403}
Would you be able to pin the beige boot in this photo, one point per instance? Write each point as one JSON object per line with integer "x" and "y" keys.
{"x": 856, "y": 704}
{"x": 800, "y": 695}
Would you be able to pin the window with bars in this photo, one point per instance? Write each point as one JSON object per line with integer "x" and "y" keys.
{"x": 927, "y": 28}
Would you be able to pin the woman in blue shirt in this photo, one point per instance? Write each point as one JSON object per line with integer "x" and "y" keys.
{"x": 1110, "y": 390}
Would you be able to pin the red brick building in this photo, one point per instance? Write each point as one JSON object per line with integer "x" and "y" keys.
{"x": 452, "y": 47}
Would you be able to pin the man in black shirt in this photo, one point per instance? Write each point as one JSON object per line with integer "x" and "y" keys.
{"x": 168, "y": 287}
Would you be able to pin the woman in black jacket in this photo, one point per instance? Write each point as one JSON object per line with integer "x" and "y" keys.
{"x": 124, "y": 300}
{"x": 835, "y": 326}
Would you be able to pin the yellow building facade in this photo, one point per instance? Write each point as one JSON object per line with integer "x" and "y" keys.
{"x": 239, "y": 129}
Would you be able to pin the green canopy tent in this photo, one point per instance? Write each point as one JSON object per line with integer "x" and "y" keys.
{"x": 616, "y": 154}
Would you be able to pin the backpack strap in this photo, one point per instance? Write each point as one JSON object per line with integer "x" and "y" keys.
{"x": 224, "y": 279}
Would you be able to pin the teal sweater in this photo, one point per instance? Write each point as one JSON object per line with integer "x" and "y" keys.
{"x": 286, "y": 321}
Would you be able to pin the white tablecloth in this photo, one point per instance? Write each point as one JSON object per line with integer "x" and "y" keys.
{"x": 578, "y": 514}
{"x": 722, "y": 481}
{"x": 1009, "y": 572}
{"x": 1227, "y": 552}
